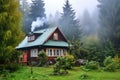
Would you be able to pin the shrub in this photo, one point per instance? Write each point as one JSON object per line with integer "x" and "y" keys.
{"x": 108, "y": 60}
{"x": 117, "y": 60}
{"x": 92, "y": 65}
{"x": 64, "y": 63}
{"x": 43, "y": 58}
{"x": 69, "y": 61}
{"x": 110, "y": 64}
{"x": 111, "y": 67}
{"x": 56, "y": 68}
{"x": 13, "y": 67}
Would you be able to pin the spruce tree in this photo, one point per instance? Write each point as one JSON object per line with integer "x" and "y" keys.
{"x": 68, "y": 24}
{"x": 87, "y": 24}
{"x": 37, "y": 10}
{"x": 26, "y": 20}
{"x": 10, "y": 30}
{"x": 110, "y": 23}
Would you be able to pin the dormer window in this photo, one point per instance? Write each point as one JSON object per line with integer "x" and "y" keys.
{"x": 55, "y": 36}
{"x": 31, "y": 38}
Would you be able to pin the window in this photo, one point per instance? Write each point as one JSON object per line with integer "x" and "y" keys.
{"x": 31, "y": 38}
{"x": 49, "y": 52}
{"x": 34, "y": 53}
{"x": 28, "y": 38}
{"x": 64, "y": 52}
{"x": 55, "y": 36}
{"x": 56, "y": 52}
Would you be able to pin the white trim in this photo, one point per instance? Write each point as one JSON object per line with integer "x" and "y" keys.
{"x": 34, "y": 52}
{"x": 55, "y": 52}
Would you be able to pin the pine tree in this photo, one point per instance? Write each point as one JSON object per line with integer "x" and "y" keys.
{"x": 110, "y": 23}
{"x": 25, "y": 9}
{"x": 10, "y": 30}
{"x": 68, "y": 24}
{"x": 87, "y": 24}
{"x": 37, "y": 10}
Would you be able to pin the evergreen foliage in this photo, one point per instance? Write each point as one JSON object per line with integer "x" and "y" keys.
{"x": 68, "y": 23}
{"x": 31, "y": 12}
{"x": 43, "y": 58}
{"x": 37, "y": 10}
{"x": 110, "y": 23}
{"x": 64, "y": 63}
{"x": 92, "y": 65}
{"x": 110, "y": 64}
{"x": 25, "y": 9}
{"x": 88, "y": 25}
{"x": 75, "y": 48}
{"x": 10, "y": 30}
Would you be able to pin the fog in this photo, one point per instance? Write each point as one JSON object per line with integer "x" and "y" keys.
{"x": 54, "y": 8}
{"x": 51, "y": 6}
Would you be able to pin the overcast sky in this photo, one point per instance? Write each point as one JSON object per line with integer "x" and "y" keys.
{"x": 51, "y": 6}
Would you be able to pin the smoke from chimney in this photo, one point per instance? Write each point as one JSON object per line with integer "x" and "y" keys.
{"x": 38, "y": 23}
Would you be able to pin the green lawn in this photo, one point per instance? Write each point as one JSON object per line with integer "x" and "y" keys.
{"x": 42, "y": 73}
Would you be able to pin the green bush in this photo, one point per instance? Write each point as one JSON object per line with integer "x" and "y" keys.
{"x": 43, "y": 58}
{"x": 56, "y": 68}
{"x": 13, "y": 67}
{"x": 92, "y": 65}
{"x": 111, "y": 67}
{"x": 108, "y": 60}
{"x": 64, "y": 63}
{"x": 69, "y": 60}
{"x": 110, "y": 64}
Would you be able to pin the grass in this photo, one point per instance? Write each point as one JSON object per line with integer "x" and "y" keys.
{"x": 43, "y": 73}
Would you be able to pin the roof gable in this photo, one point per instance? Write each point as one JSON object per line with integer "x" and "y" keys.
{"x": 60, "y": 35}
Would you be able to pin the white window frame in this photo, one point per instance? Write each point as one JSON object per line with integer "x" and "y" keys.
{"x": 31, "y": 38}
{"x": 56, "y": 52}
{"x": 34, "y": 53}
{"x": 49, "y": 52}
{"x": 28, "y": 38}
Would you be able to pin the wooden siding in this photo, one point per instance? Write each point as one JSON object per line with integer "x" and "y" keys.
{"x": 60, "y": 36}
{"x": 27, "y": 59}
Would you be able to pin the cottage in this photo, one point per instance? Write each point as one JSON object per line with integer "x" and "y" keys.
{"x": 51, "y": 40}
